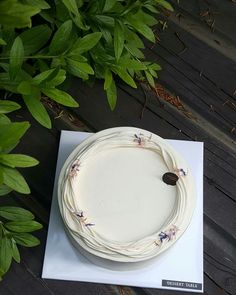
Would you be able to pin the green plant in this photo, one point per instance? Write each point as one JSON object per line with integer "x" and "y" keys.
{"x": 15, "y": 222}
{"x": 87, "y": 39}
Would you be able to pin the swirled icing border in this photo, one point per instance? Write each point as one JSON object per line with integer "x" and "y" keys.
{"x": 83, "y": 231}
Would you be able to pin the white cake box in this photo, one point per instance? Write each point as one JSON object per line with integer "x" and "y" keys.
{"x": 178, "y": 268}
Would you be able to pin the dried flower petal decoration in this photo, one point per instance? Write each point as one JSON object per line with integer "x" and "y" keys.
{"x": 89, "y": 224}
{"x": 168, "y": 234}
{"x": 75, "y": 167}
{"x": 181, "y": 172}
{"x": 139, "y": 139}
{"x": 83, "y": 219}
{"x": 80, "y": 214}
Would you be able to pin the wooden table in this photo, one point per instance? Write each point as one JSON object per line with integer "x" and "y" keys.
{"x": 194, "y": 100}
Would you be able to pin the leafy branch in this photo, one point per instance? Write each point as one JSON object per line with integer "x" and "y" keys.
{"x": 15, "y": 227}
{"x": 78, "y": 38}
{"x": 15, "y": 222}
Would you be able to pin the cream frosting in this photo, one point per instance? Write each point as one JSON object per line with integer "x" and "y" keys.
{"x": 83, "y": 231}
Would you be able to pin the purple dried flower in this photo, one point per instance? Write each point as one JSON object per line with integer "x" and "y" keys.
{"x": 89, "y": 224}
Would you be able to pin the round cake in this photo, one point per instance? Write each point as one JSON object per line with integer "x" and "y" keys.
{"x": 125, "y": 195}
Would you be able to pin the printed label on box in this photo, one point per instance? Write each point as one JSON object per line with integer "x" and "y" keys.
{"x": 180, "y": 284}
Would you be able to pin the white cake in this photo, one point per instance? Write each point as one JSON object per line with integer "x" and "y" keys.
{"x": 113, "y": 200}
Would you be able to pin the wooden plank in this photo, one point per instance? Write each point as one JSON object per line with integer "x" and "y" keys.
{"x": 194, "y": 89}
{"x": 20, "y": 281}
{"x": 198, "y": 91}
{"x": 218, "y": 245}
{"x": 219, "y": 257}
{"x": 217, "y": 65}
{"x": 224, "y": 277}
{"x": 215, "y": 15}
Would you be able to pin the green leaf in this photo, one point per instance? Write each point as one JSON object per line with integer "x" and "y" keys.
{"x": 145, "y": 18}
{"x": 4, "y": 190}
{"x": 1, "y": 273}
{"x": 5, "y": 254}
{"x": 80, "y": 66}
{"x": 13, "y": 179}
{"x": 106, "y": 34}
{"x": 11, "y": 133}
{"x": 142, "y": 28}
{"x": 135, "y": 65}
{"x": 1, "y": 176}
{"x": 41, "y": 4}
{"x": 109, "y": 4}
{"x": 86, "y": 43}
{"x": 24, "y": 87}
{"x": 134, "y": 51}
{"x": 85, "y": 67}
{"x": 112, "y": 95}
{"x": 48, "y": 79}
{"x": 108, "y": 79}
{"x": 153, "y": 73}
{"x": 125, "y": 77}
{"x": 15, "y": 251}
{"x": 17, "y": 160}
{"x": 73, "y": 67}
{"x": 132, "y": 38}
{"x": 16, "y": 14}
{"x": 37, "y": 109}
{"x": 15, "y": 213}
{"x": 60, "y": 96}
{"x": 48, "y": 16}
{"x": 42, "y": 65}
{"x": 118, "y": 39}
{"x": 35, "y": 38}
{"x": 106, "y": 21}
{"x": 4, "y": 66}
{"x": 23, "y": 226}
{"x": 25, "y": 239}
{"x": 61, "y": 39}
{"x": 7, "y": 106}
{"x": 71, "y": 5}
{"x": 150, "y": 79}
{"x": 79, "y": 58}
{"x": 153, "y": 66}
{"x": 2, "y": 42}
{"x": 4, "y": 120}
{"x": 165, "y": 4}
{"x": 16, "y": 58}
{"x": 151, "y": 8}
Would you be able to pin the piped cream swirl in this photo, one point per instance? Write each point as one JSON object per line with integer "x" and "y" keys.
{"x": 84, "y": 233}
